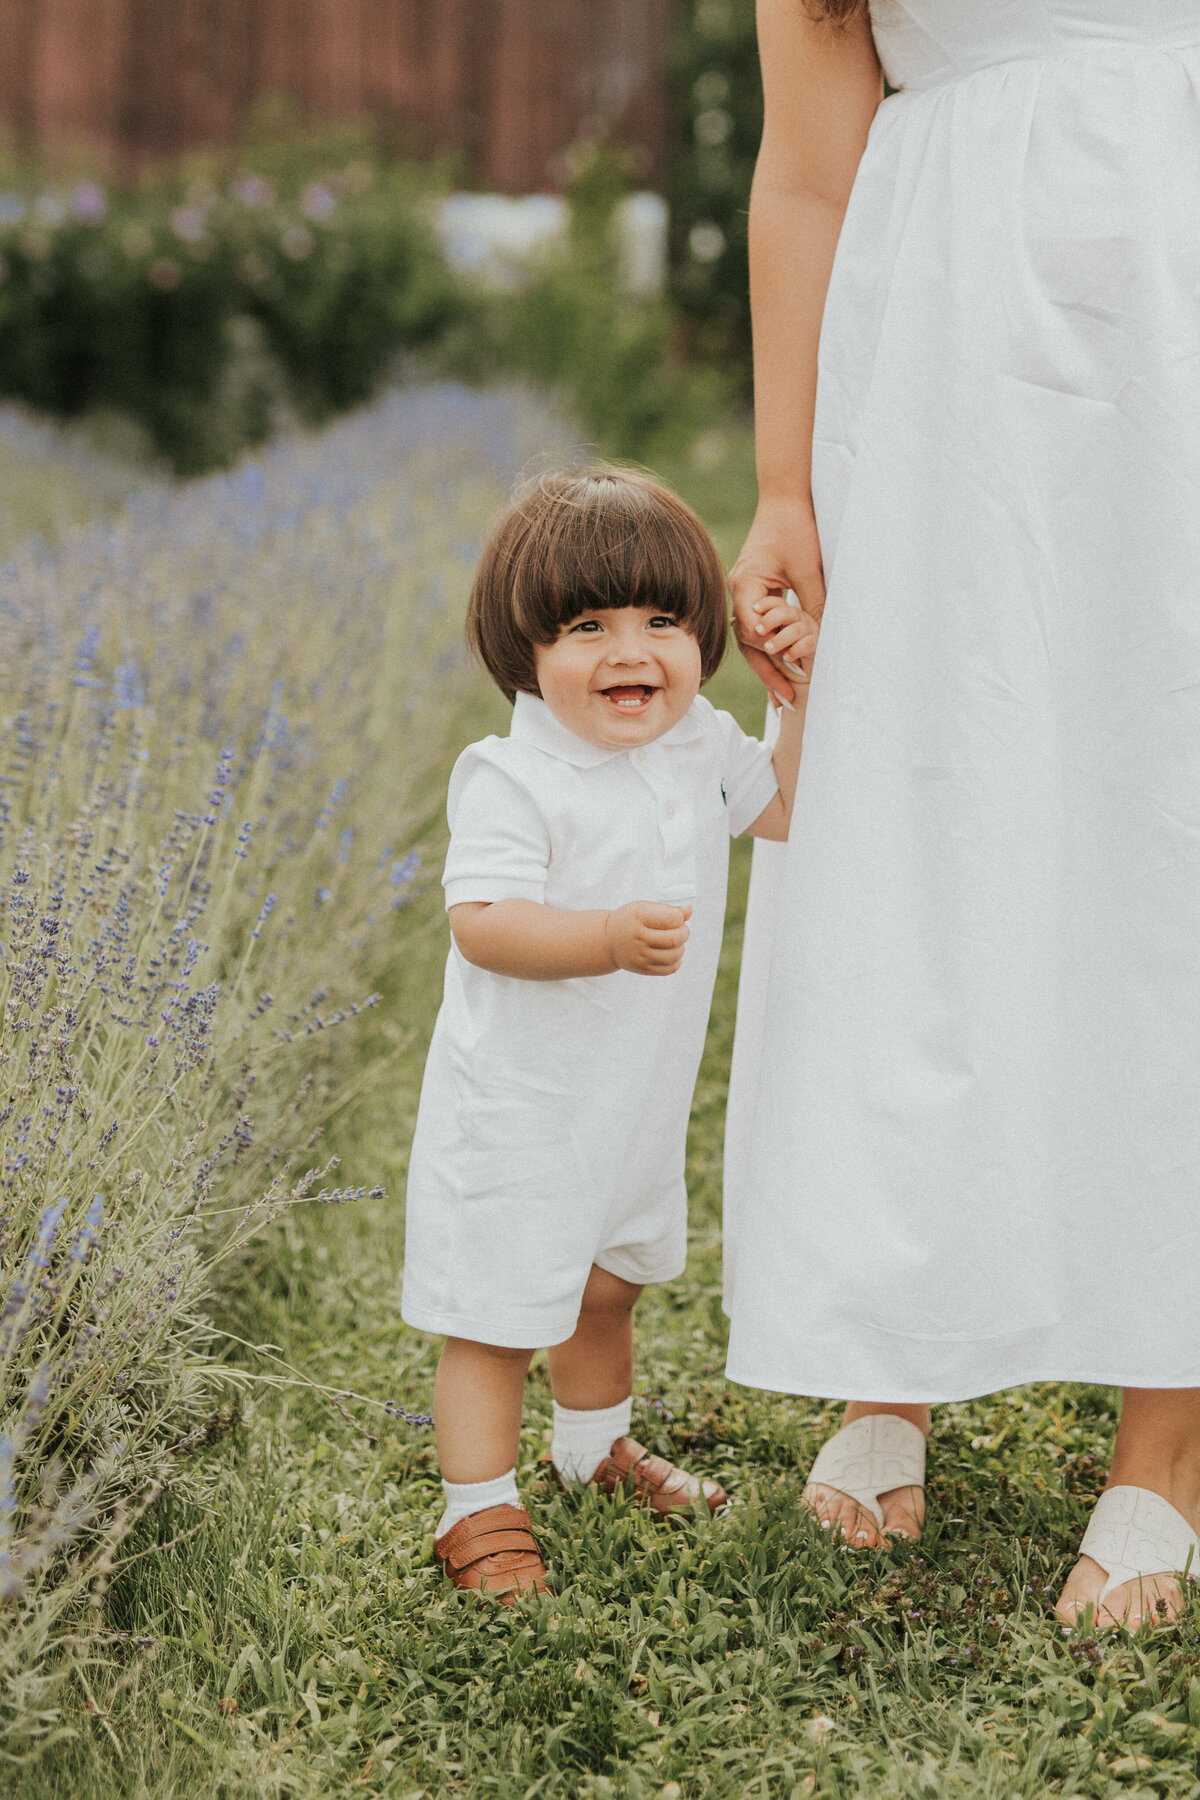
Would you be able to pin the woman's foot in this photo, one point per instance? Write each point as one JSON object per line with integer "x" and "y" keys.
{"x": 1158, "y": 1449}
{"x": 903, "y": 1508}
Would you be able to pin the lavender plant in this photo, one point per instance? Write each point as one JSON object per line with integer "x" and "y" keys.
{"x": 218, "y": 714}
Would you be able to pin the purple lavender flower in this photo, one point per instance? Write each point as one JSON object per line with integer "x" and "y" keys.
{"x": 265, "y": 911}
{"x": 128, "y": 691}
{"x": 85, "y": 657}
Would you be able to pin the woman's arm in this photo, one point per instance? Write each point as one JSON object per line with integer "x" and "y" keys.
{"x": 821, "y": 87}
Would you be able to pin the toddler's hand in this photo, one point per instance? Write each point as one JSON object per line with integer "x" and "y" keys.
{"x": 647, "y": 936}
{"x": 787, "y": 635}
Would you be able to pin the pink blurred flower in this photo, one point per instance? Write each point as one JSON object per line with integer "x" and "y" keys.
{"x": 187, "y": 222}
{"x": 253, "y": 190}
{"x": 317, "y": 202}
{"x": 89, "y": 203}
{"x": 297, "y": 242}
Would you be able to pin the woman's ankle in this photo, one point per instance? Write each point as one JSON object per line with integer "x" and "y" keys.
{"x": 920, "y": 1416}
{"x": 1158, "y": 1447}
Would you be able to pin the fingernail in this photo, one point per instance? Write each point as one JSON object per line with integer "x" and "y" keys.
{"x": 760, "y": 629}
{"x": 794, "y": 668}
{"x": 786, "y": 703}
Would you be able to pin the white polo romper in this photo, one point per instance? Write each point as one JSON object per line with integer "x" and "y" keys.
{"x": 553, "y": 1115}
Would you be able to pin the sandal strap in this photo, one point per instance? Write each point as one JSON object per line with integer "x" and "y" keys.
{"x": 871, "y": 1457}
{"x": 655, "y": 1480}
{"x": 630, "y": 1460}
{"x": 1134, "y": 1533}
{"x": 495, "y": 1531}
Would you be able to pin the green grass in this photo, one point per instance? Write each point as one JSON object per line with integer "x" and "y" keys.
{"x": 295, "y": 1640}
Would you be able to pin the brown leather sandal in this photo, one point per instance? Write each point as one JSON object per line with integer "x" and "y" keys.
{"x": 654, "y": 1482}
{"x": 495, "y": 1553}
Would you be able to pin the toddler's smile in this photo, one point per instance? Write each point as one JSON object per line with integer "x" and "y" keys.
{"x": 620, "y": 676}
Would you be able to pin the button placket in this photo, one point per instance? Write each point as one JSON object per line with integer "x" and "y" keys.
{"x": 675, "y": 829}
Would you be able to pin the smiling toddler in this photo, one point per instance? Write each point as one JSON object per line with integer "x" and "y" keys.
{"x": 585, "y": 883}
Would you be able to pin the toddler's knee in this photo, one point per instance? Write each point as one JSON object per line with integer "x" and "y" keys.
{"x": 608, "y": 1295}
{"x": 460, "y": 1350}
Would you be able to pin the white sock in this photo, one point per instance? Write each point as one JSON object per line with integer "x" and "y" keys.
{"x": 466, "y": 1497}
{"x": 582, "y": 1440}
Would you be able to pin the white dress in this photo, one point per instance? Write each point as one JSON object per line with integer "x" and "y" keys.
{"x": 553, "y": 1117}
{"x": 964, "y": 1143}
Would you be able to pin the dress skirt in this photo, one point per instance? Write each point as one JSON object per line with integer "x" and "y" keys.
{"x": 964, "y": 1136}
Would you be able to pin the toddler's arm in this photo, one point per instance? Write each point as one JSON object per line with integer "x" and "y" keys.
{"x": 791, "y": 640}
{"x": 544, "y": 943}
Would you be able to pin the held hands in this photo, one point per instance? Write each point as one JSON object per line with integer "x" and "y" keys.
{"x": 782, "y": 553}
{"x": 785, "y": 634}
{"x": 647, "y": 936}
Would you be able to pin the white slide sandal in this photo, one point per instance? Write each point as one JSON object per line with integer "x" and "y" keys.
{"x": 871, "y": 1457}
{"x": 1134, "y": 1534}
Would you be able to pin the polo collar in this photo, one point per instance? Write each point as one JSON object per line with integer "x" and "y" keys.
{"x": 534, "y": 723}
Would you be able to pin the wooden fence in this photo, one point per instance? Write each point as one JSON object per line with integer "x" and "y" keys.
{"x": 511, "y": 83}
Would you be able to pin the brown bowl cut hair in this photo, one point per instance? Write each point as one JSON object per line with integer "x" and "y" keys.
{"x": 585, "y": 540}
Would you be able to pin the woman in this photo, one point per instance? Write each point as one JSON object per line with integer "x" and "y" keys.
{"x": 964, "y": 1140}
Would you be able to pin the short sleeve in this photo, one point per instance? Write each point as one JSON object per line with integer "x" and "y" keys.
{"x": 747, "y": 773}
{"x": 499, "y": 843}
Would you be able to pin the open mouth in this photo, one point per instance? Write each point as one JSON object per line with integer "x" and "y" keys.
{"x": 630, "y": 696}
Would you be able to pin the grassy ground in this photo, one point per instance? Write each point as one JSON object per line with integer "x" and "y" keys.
{"x": 295, "y": 1640}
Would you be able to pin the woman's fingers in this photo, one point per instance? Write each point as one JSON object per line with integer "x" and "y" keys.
{"x": 776, "y": 682}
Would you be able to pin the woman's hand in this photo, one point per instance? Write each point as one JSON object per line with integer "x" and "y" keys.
{"x": 781, "y": 552}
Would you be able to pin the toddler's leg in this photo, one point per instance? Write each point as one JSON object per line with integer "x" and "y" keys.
{"x": 591, "y": 1378}
{"x": 477, "y": 1420}
{"x": 483, "y": 1538}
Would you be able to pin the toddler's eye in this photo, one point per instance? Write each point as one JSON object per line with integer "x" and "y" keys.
{"x": 590, "y": 625}
{"x": 664, "y": 619}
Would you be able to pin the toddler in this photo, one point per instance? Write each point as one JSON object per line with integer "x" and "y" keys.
{"x": 585, "y": 883}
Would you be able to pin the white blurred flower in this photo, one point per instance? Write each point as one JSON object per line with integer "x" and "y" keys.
{"x": 712, "y": 126}
{"x": 706, "y": 242}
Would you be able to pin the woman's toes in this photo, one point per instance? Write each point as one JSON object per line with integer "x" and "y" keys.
{"x": 1150, "y": 1601}
{"x": 843, "y": 1517}
{"x": 903, "y": 1513}
{"x": 1081, "y": 1590}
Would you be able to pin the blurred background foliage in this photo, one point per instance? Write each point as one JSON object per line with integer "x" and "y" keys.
{"x": 232, "y": 294}
{"x": 718, "y": 122}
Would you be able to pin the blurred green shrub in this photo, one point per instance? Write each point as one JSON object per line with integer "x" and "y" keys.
{"x": 718, "y": 122}
{"x": 205, "y": 304}
{"x": 615, "y": 359}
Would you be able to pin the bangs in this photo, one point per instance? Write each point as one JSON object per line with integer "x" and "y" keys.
{"x": 586, "y": 541}
{"x": 612, "y": 544}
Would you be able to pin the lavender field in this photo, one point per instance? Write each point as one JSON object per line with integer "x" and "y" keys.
{"x": 224, "y": 713}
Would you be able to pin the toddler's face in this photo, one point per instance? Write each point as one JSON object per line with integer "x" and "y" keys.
{"x": 620, "y": 677}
